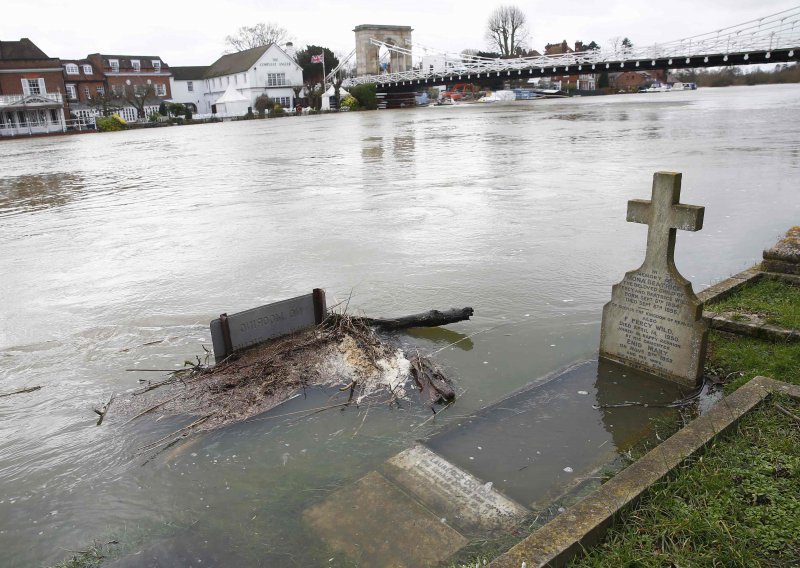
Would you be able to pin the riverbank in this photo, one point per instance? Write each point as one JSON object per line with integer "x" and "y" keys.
{"x": 738, "y": 499}
{"x": 722, "y": 501}
{"x": 736, "y": 502}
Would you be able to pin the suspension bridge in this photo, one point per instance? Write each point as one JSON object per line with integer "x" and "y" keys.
{"x": 771, "y": 39}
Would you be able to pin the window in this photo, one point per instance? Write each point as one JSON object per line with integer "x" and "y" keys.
{"x": 190, "y": 86}
{"x": 86, "y": 94}
{"x": 72, "y": 69}
{"x": 236, "y": 79}
{"x": 116, "y": 89}
{"x": 156, "y": 65}
{"x": 72, "y": 92}
{"x": 137, "y": 66}
{"x": 114, "y": 65}
{"x": 276, "y": 79}
{"x": 101, "y": 90}
{"x": 87, "y": 70}
{"x": 228, "y": 79}
{"x": 33, "y": 86}
{"x": 245, "y": 77}
{"x": 161, "y": 90}
{"x": 283, "y": 101}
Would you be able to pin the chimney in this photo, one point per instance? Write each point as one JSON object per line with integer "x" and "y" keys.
{"x": 290, "y": 51}
{"x": 579, "y": 46}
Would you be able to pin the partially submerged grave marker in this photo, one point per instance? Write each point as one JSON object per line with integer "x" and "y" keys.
{"x": 654, "y": 322}
{"x": 230, "y": 333}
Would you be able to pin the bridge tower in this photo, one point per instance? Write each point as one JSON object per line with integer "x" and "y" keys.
{"x": 367, "y": 53}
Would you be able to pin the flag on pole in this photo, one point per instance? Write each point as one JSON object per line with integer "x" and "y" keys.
{"x": 316, "y": 58}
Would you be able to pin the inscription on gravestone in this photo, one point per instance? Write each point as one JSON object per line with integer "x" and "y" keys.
{"x": 238, "y": 331}
{"x": 654, "y": 322}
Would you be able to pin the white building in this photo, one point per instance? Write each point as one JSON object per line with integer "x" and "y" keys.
{"x": 266, "y": 70}
{"x": 187, "y": 86}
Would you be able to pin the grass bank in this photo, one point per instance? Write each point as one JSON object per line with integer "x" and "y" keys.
{"x": 774, "y": 301}
{"x": 735, "y": 504}
{"x": 738, "y": 502}
{"x": 737, "y": 359}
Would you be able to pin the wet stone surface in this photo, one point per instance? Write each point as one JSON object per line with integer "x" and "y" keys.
{"x": 375, "y": 524}
{"x": 539, "y": 443}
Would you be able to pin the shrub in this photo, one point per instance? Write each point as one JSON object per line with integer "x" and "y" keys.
{"x": 176, "y": 109}
{"x": 187, "y": 114}
{"x": 277, "y": 110}
{"x": 350, "y": 102}
{"x": 162, "y": 109}
{"x": 262, "y": 104}
{"x": 153, "y": 117}
{"x": 366, "y": 95}
{"x": 111, "y": 123}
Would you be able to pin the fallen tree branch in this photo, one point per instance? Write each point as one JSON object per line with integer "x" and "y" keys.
{"x": 431, "y": 382}
{"x": 21, "y": 391}
{"x": 432, "y": 318}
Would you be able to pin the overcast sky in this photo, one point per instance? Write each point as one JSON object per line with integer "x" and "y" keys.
{"x": 193, "y": 33}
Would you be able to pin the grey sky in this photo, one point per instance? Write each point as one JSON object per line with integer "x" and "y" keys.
{"x": 193, "y": 33}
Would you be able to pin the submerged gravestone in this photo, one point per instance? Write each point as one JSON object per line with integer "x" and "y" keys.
{"x": 230, "y": 333}
{"x": 654, "y": 322}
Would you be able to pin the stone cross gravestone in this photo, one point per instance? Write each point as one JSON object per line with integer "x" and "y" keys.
{"x": 654, "y": 322}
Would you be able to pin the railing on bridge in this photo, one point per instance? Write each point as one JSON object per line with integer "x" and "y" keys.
{"x": 780, "y": 31}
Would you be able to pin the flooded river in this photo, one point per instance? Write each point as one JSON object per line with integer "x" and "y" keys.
{"x": 118, "y": 249}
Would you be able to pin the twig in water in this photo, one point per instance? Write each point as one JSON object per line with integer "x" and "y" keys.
{"x": 103, "y": 410}
{"x": 152, "y": 445}
{"x": 152, "y": 408}
{"x": 435, "y": 414}
{"x": 362, "y": 421}
{"x": 20, "y": 391}
{"x": 311, "y": 410}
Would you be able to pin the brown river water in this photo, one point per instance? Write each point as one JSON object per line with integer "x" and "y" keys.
{"x": 110, "y": 243}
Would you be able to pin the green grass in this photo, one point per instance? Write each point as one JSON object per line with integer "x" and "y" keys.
{"x": 742, "y": 358}
{"x": 735, "y": 504}
{"x": 776, "y": 301}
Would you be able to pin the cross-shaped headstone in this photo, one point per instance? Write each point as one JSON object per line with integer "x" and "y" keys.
{"x": 654, "y": 322}
{"x": 664, "y": 215}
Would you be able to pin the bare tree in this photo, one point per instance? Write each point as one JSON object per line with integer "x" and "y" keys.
{"x": 506, "y": 30}
{"x": 248, "y": 37}
{"x": 140, "y": 96}
{"x": 106, "y": 103}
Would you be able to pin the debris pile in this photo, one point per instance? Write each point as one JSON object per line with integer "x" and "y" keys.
{"x": 343, "y": 351}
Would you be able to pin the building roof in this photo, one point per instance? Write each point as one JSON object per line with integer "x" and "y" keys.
{"x": 145, "y": 61}
{"x": 238, "y": 62}
{"x": 21, "y": 50}
{"x": 557, "y": 48}
{"x": 189, "y": 73}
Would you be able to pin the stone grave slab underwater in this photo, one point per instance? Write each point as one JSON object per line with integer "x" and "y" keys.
{"x": 490, "y": 470}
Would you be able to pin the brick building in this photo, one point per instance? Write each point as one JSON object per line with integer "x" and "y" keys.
{"x": 128, "y": 75}
{"x": 580, "y": 81}
{"x": 632, "y": 81}
{"x": 83, "y": 84}
{"x": 31, "y": 90}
